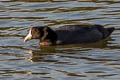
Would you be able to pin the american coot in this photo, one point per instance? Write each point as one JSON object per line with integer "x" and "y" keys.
{"x": 69, "y": 34}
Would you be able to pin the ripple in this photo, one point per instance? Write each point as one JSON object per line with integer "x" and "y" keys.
{"x": 95, "y": 61}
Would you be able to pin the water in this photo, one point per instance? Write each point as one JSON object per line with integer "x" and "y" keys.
{"x": 29, "y": 61}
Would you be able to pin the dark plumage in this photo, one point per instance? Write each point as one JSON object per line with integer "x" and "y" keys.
{"x": 69, "y": 34}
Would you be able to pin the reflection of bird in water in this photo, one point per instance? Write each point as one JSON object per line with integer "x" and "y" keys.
{"x": 34, "y": 56}
{"x": 38, "y": 56}
{"x": 69, "y": 34}
{"x": 30, "y": 55}
{"x": 48, "y": 54}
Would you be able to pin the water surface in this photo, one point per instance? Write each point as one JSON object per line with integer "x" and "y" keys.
{"x": 30, "y": 61}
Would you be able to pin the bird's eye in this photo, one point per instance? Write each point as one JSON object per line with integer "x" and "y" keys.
{"x": 35, "y": 30}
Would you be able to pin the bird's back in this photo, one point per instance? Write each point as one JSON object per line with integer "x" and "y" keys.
{"x": 78, "y": 34}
